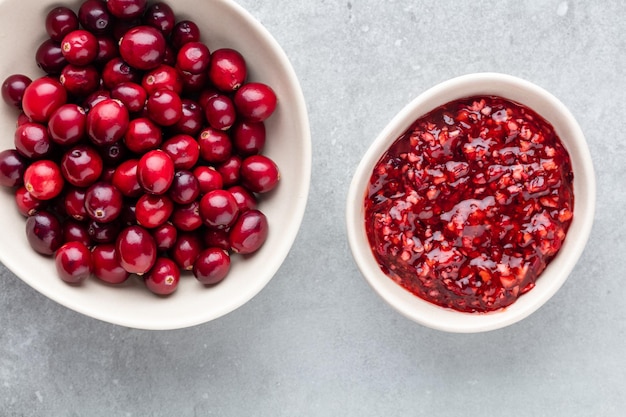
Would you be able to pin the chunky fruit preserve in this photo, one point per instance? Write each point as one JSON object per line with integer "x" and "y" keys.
{"x": 471, "y": 203}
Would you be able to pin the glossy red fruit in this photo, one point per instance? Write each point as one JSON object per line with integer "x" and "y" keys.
{"x": 127, "y": 9}
{"x": 184, "y": 32}
{"x": 106, "y": 265}
{"x": 26, "y": 204}
{"x": 107, "y": 50}
{"x": 94, "y": 98}
{"x": 59, "y": 22}
{"x": 94, "y": 16}
{"x": 43, "y": 179}
{"x": 218, "y": 209}
{"x": 248, "y": 137}
{"x": 183, "y": 149}
{"x": 208, "y": 178}
{"x": 44, "y": 232}
{"x": 165, "y": 236}
{"x": 186, "y": 249}
{"x": 117, "y": 71}
{"x": 67, "y": 124}
{"x": 249, "y": 232}
{"x": 142, "y": 135}
{"x": 73, "y": 262}
{"x": 227, "y": 70}
{"x": 193, "y": 57}
{"x": 12, "y": 168}
{"x": 75, "y": 231}
{"x": 255, "y": 101}
{"x": 125, "y": 178}
{"x": 163, "y": 278}
{"x": 107, "y": 122}
{"x": 186, "y": 217}
{"x": 80, "y": 81}
{"x": 259, "y": 173}
{"x": 13, "y": 89}
{"x": 245, "y": 199}
{"x": 216, "y": 238}
{"x": 79, "y": 47}
{"x": 103, "y": 232}
{"x": 220, "y": 112}
{"x": 162, "y": 77}
{"x": 160, "y": 16}
{"x": 49, "y": 57}
{"x": 81, "y": 165}
{"x": 191, "y": 120}
{"x": 155, "y": 172}
{"x": 143, "y": 47}
{"x": 132, "y": 95}
{"x": 153, "y": 210}
{"x": 42, "y": 97}
{"x": 215, "y": 145}
{"x": 230, "y": 170}
{"x": 212, "y": 266}
{"x": 164, "y": 107}
{"x": 74, "y": 203}
{"x": 136, "y": 250}
{"x": 103, "y": 202}
{"x": 193, "y": 82}
{"x": 32, "y": 140}
{"x": 184, "y": 188}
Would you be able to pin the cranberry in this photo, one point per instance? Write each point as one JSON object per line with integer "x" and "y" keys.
{"x": 94, "y": 98}
{"x": 186, "y": 217}
{"x": 67, "y": 124}
{"x": 155, "y": 172}
{"x": 216, "y": 238}
{"x": 245, "y": 199}
{"x": 74, "y": 203}
{"x": 103, "y": 202}
{"x": 80, "y": 47}
{"x": 185, "y": 250}
{"x": 208, "y": 179}
{"x": 249, "y": 232}
{"x": 165, "y": 236}
{"x": 103, "y": 232}
{"x": 215, "y": 145}
{"x": 136, "y": 250}
{"x": 80, "y": 81}
{"x": 107, "y": 50}
{"x": 127, "y": 9}
{"x": 73, "y": 262}
{"x": 75, "y": 231}
{"x": 259, "y": 173}
{"x": 32, "y": 140}
{"x": 13, "y": 89}
{"x": 153, "y": 210}
{"x": 211, "y": 266}
{"x": 184, "y": 188}
{"x": 228, "y": 69}
{"x": 49, "y": 57}
{"x": 193, "y": 82}
{"x": 106, "y": 265}
{"x": 164, "y": 107}
{"x": 12, "y": 168}
{"x": 94, "y": 16}
{"x": 248, "y": 137}
{"x": 42, "y": 97}
{"x": 44, "y": 232}
{"x": 160, "y": 16}
{"x": 142, "y": 135}
{"x": 107, "y": 122}
{"x": 116, "y": 71}
{"x": 143, "y": 47}
{"x": 81, "y": 165}
{"x": 26, "y": 204}
{"x": 163, "y": 278}
{"x": 43, "y": 179}
{"x": 191, "y": 120}
{"x": 125, "y": 178}
{"x": 193, "y": 57}
{"x": 162, "y": 77}
{"x": 59, "y": 22}
{"x": 219, "y": 209}
{"x": 184, "y": 151}
{"x": 205, "y": 95}
{"x": 184, "y": 32}
{"x": 220, "y": 112}
{"x": 21, "y": 119}
{"x": 132, "y": 95}
{"x": 230, "y": 170}
{"x": 255, "y": 101}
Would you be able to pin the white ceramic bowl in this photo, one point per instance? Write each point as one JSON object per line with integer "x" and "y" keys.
{"x": 557, "y": 271}
{"x": 223, "y": 23}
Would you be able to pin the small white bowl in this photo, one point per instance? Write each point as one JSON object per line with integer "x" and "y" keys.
{"x": 223, "y": 23}
{"x": 554, "y": 275}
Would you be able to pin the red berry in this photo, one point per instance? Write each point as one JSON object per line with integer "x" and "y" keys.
{"x": 153, "y": 210}
{"x": 184, "y": 188}
{"x": 248, "y": 137}
{"x": 259, "y": 173}
{"x": 155, "y": 172}
{"x": 74, "y": 203}
{"x": 103, "y": 202}
{"x": 136, "y": 250}
{"x": 59, "y": 22}
{"x": 13, "y": 89}
{"x": 49, "y": 57}
{"x": 143, "y": 47}
{"x": 186, "y": 217}
{"x": 193, "y": 57}
{"x": 255, "y": 101}
{"x": 42, "y": 97}
{"x": 26, "y": 204}
{"x": 208, "y": 178}
{"x": 94, "y": 16}
{"x": 227, "y": 70}
{"x": 67, "y": 124}
{"x": 132, "y": 95}
{"x": 73, "y": 262}
{"x": 249, "y": 232}
{"x": 44, "y": 232}
{"x": 183, "y": 149}
{"x": 165, "y": 236}
{"x": 127, "y": 9}
{"x": 117, "y": 71}
{"x": 106, "y": 265}
{"x": 12, "y": 167}
{"x": 185, "y": 250}
{"x": 32, "y": 141}
{"x": 142, "y": 135}
{"x": 164, "y": 107}
{"x": 160, "y": 16}
{"x": 184, "y": 32}
{"x": 162, "y": 77}
{"x": 107, "y": 122}
{"x": 220, "y": 112}
{"x": 163, "y": 278}
{"x": 75, "y": 231}
{"x": 125, "y": 178}
{"x": 43, "y": 179}
{"x": 215, "y": 145}
{"x": 211, "y": 266}
{"x": 81, "y": 165}
{"x": 218, "y": 209}
{"x": 79, "y": 47}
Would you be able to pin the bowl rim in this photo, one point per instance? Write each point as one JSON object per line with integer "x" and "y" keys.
{"x": 484, "y": 83}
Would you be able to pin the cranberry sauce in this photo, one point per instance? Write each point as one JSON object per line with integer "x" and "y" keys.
{"x": 470, "y": 204}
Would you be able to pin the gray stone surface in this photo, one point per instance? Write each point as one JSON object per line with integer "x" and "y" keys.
{"x": 317, "y": 341}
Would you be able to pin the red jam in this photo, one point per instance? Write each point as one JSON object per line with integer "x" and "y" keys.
{"x": 471, "y": 203}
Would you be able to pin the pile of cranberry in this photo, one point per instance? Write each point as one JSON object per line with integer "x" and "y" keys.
{"x": 139, "y": 151}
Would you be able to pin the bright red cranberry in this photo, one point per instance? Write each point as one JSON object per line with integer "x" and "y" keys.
{"x": 255, "y": 101}
{"x": 125, "y": 178}
{"x": 143, "y": 47}
{"x": 211, "y": 266}
{"x": 103, "y": 202}
{"x": 218, "y": 209}
{"x": 81, "y": 165}
{"x": 94, "y": 98}
{"x": 106, "y": 265}
{"x": 59, "y": 22}
{"x": 80, "y": 81}
{"x": 142, "y": 135}
{"x": 193, "y": 82}
{"x": 193, "y": 57}
{"x": 259, "y": 173}
{"x": 12, "y": 168}
{"x": 42, "y": 97}
{"x": 73, "y": 262}
{"x": 32, "y": 141}
{"x": 245, "y": 199}
{"x": 103, "y": 232}
{"x": 165, "y": 236}
{"x": 215, "y": 145}
{"x": 153, "y": 210}
{"x": 249, "y": 232}
{"x": 162, "y": 77}
{"x": 163, "y": 278}
{"x": 49, "y": 57}
{"x": 74, "y": 203}
{"x": 67, "y": 124}
{"x": 132, "y": 95}
{"x": 107, "y": 50}
{"x": 116, "y": 71}
{"x": 228, "y": 69}
{"x": 80, "y": 47}
{"x": 127, "y": 9}
{"x": 13, "y": 89}
{"x": 155, "y": 172}
{"x": 216, "y": 238}
{"x": 184, "y": 188}
{"x": 26, "y": 204}
{"x": 184, "y": 32}
{"x": 183, "y": 149}
{"x": 160, "y": 16}
{"x": 43, "y": 179}
{"x": 248, "y": 137}
{"x": 44, "y": 232}
{"x": 230, "y": 170}
{"x": 107, "y": 122}
{"x": 208, "y": 178}
{"x": 220, "y": 112}
{"x": 185, "y": 250}
{"x": 186, "y": 218}
{"x": 164, "y": 107}
{"x": 94, "y": 16}
{"x": 75, "y": 231}
{"x": 136, "y": 250}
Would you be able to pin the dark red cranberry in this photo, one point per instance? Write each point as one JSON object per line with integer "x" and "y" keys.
{"x": 73, "y": 262}
{"x": 184, "y": 32}
{"x": 127, "y": 216}
{"x": 163, "y": 277}
{"x": 191, "y": 120}
{"x": 220, "y": 112}
{"x": 106, "y": 265}
{"x": 94, "y": 16}
{"x": 193, "y": 57}
{"x": 248, "y": 137}
{"x": 155, "y": 172}
{"x": 107, "y": 174}
{"x": 186, "y": 217}
{"x": 245, "y": 199}
{"x": 132, "y": 95}
{"x": 127, "y": 9}
{"x": 153, "y": 210}
{"x": 59, "y": 22}
{"x": 215, "y": 145}
{"x": 227, "y": 70}
{"x": 216, "y": 238}
{"x": 249, "y": 232}
{"x": 80, "y": 47}
{"x": 26, "y": 204}
{"x": 42, "y": 97}
{"x": 143, "y": 47}
{"x": 218, "y": 209}
{"x": 125, "y": 178}
{"x": 107, "y": 122}
{"x": 44, "y": 232}
{"x": 136, "y": 250}
{"x": 114, "y": 154}
{"x": 183, "y": 149}
{"x": 81, "y": 165}
{"x": 255, "y": 101}
{"x": 230, "y": 170}
{"x": 165, "y": 236}
{"x": 94, "y": 98}
{"x": 193, "y": 82}
{"x": 103, "y": 232}
{"x": 162, "y": 77}
{"x": 259, "y": 173}
{"x": 164, "y": 107}
{"x": 212, "y": 266}
{"x": 13, "y": 89}
{"x": 103, "y": 202}
{"x": 142, "y": 135}
{"x": 160, "y": 16}
{"x": 80, "y": 81}
{"x": 116, "y": 71}
{"x": 67, "y": 124}
{"x": 184, "y": 188}
{"x": 75, "y": 231}
{"x": 186, "y": 249}
{"x": 205, "y": 95}
{"x": 208, "y": 178}
{"x": 107, "y": 50}
{"x": 74, "y": 203}
{"x": 49, "y": 57}
{"x": 43, "y": 179}
{"x": 32, "y": 140}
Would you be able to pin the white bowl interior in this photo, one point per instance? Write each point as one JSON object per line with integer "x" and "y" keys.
{"x": 223, "y": 23}
{"x": 557, "y": 271}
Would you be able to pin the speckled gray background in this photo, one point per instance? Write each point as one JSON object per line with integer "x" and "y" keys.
{"x": 317, "y": 341}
